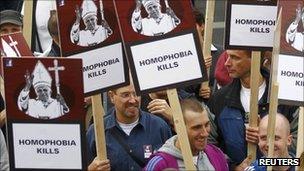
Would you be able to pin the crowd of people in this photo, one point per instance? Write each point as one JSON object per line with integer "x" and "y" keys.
{"x": 139, "y": 130}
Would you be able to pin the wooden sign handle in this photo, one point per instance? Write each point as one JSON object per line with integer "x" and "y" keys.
{"x": 254, "y": 93}
{"x": 272, "y": 120}
{"x": 27, "y": 22}
{"x": 180, "y": 129}
{"x": 300, "y": 143}
{"x": 208, "y": 31}
{"x": 98, "y": 114}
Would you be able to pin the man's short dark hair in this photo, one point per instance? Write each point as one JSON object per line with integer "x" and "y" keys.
{"x": 199, "y": 17}
{"x": 192, "y": 105}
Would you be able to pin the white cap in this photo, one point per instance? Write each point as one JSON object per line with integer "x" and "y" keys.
{"x": 41, "y": 75}
{"x": 88, "y": 8}
{"x": 149, "y": 2}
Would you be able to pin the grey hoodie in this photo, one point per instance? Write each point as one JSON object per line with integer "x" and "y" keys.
{"x": 202, "y": 163}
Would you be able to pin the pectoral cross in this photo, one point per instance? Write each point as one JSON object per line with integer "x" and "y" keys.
{"x": 56, "y": 69}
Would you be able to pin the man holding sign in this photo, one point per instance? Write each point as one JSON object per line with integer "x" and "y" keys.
{"x": 205, "y": 156}
{"x": 231, "y": 106}
{"x": 132, "y": 135}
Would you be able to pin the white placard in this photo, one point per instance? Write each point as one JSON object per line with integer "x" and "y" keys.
{"x": 291, "y": 78}
{"x": 47, "y": 146}
{"x": 167, "y": 61}
{"x": 102, "y": 67}
{"x": 252, "y": 25}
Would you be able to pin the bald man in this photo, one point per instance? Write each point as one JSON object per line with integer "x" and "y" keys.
{"x": 282, "y": 140}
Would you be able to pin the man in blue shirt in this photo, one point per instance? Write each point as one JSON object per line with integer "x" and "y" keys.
{"x": 132, "y": 135}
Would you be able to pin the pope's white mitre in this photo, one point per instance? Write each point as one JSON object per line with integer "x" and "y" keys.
{"x": 88, "y": 8}
{"x": 149, "y": 2}
{"x": 41, "y": 75}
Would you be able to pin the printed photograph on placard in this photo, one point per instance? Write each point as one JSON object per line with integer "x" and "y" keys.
{"x": 158, "y": 20}
{"x": 45, "y": 113}
{"x": 42, "y": 105}
{"x": 89, "y": 30}
{"x": 88, "y": 24}
{"x": 162, "y": 43}
{"x": 292, "y": 32}
{"x": 93, "y": 33}
{"x": 14, "y": 45}
{"x": 40, "y": 88}
{"x": 143, "y": 20}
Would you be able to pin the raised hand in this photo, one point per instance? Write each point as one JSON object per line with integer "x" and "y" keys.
{"x": 298, "y": 14}
{"x": 78, "y": 12}
{"x": 105, "y": 24}
{"x": 61, "y": 100}
{"x": 171, "y": 13}
{"x": 28, "y": 80}
{"x": 138, "y": 5}
{"x": 160, "y": 107}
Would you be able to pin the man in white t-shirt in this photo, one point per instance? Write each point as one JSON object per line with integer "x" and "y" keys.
{"x": 231, "y": 106}
{"x": 293, "y": 36}
{"x": 157, "y": 23}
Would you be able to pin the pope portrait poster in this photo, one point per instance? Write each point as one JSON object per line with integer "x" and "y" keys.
{"x": 161, "y": 42}
{"x": 45, "y": 113}
{"x": 291, "y": 59}
{"x": 89, "y": 30}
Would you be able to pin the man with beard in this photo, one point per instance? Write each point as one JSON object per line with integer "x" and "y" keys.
{"x": 44, "y": 106}
{"x": 205, "y": 156}
{"x": 93, "y": 34}
{"x": 157, "y": 23}
{"x": 282, "y": 140}
{"x": 131, "y": 134}
{"x": 293, "y": 37}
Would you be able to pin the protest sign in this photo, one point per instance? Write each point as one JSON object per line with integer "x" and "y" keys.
{"x": 290, "y": 74}
{"x": 45, "y": 114}
{"x": 99, "y": 43}
{"x": 162, "y": 53}
{"x": 14, "y": 45}
{"x": 250, "y": 24}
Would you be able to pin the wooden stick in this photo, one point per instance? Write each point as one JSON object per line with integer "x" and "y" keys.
{"x": 98, "y": 114}
{"x": 300, "y": 138}
{"x": 181, "y": 129}
{"x": 274, "y": 89}
{"x": 208, "y": 31}
{"x": 276, "y": 49}
{"x": 27, "y": 22}
{"x": 254, "y": 93}
{"x": 272, "y": 120}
